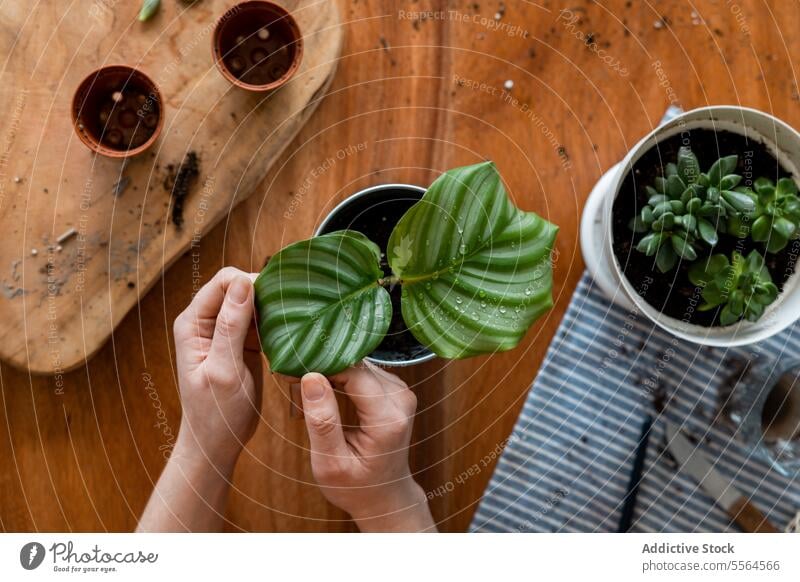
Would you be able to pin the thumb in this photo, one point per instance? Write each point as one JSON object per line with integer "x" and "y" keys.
{"x": 233, "y": 320}
{"x": 322, "y": 416}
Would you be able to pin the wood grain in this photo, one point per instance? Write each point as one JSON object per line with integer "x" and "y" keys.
{"x": 61, "y": 300}
{"x": 86, "y": 459}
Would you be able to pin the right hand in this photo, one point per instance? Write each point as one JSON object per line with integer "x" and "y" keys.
{"x": 364, "y": 470}
{"x": 219, "y": 365}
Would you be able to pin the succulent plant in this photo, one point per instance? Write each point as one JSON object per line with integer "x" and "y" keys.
{"x": 776, "y": 218}
{"x": 742, "y": 285}
{"x": 685, "y": 207}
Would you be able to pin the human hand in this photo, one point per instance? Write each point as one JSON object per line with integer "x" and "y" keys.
{"x": 364, "y": 470}
{"x": 219, "y": 371}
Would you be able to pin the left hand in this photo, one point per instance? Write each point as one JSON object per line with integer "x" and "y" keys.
{"x": 219, "y": 370}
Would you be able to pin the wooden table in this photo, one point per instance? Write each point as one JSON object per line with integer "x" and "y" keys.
{"x": 413, "y": 96}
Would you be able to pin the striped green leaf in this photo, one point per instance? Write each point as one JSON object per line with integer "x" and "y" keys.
{"x": 320, "y": 304}
{"x": 475, "y": 270}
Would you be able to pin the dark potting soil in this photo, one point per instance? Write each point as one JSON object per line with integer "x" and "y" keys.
{"x": 375, "y": 215}
{"x": 179, "y": 182}
{"x": 122, "y": 114}
{"x": 258, "y": 51}
{"x": 672, "y": 293}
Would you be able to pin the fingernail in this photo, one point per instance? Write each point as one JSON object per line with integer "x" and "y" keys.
{"x": 239, "y": 290}
{"x": 313, "y": 389}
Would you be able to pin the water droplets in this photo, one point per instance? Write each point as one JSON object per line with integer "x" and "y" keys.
{"x": 459, "y": 300}
{"x": 462, "y": 248}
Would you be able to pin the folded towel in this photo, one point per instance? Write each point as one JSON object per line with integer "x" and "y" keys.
{"x": 567, "y": 463}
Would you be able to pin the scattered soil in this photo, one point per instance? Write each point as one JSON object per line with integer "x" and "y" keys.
{"x": 375, "y": 215}
{"x": 738, "y": 369}
{"x": 180, "y": 182}
{"x": 660, "y": 398}
{"x": 672, "y": 293}
{"x": 664, "y": 453}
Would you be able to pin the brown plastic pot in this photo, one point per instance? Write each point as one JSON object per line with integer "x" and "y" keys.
{"x": 118, "y": 111}
{"x": 257, "y": 46}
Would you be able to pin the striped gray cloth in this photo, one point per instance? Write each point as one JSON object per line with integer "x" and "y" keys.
{"x": 566, "y": 465}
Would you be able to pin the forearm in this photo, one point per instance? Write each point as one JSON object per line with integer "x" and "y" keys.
{"x": 190, "y": 494}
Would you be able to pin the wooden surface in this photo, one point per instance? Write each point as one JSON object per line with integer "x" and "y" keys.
{"x": 84, "y": 456}
{"x": 60, "y": 306}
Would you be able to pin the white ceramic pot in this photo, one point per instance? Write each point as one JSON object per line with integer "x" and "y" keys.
{"x": 596, "y": 225}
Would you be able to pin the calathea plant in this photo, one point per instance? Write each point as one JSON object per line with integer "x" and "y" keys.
{"x": 743, "y": 286}
{"x": 685, "y": 207}
{"x": 475, "y": 273}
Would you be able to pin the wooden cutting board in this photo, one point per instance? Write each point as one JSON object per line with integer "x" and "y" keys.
{"x": 60, "y": 301}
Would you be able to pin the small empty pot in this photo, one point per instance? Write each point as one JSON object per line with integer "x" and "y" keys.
{"x": 257, "y": 46}
{"x": 117, "y": 111}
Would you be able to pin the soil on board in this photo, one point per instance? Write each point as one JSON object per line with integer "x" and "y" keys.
{"x": 672, "y": 293}
{"x": 375, "y": 215}
{"x": 179, "y": 182}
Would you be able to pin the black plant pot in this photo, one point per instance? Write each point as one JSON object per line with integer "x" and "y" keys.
{"x": 374, "y": 212}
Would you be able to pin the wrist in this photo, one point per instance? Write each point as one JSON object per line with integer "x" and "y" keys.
{"x": 190, "y": 453}
{"x": 403, "y": 508}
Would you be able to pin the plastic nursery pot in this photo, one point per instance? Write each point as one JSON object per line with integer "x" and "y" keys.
{"x": 764, "y": 133}
{"x": 257, "y": 46}
{"x": 375, "y": 212}
{"x": 117, "y": 111}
